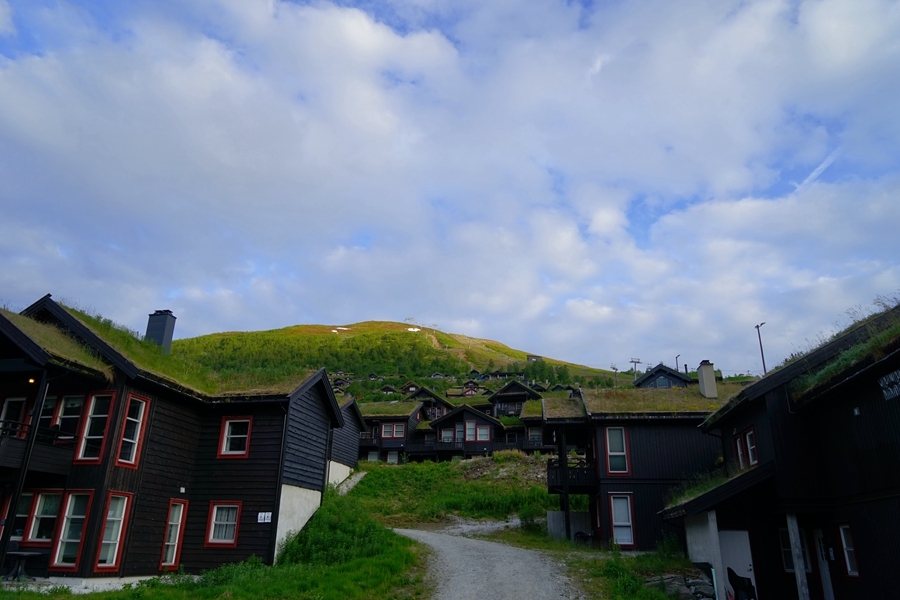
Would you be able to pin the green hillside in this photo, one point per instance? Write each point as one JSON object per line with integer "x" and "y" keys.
{"x": 387, "y": 349}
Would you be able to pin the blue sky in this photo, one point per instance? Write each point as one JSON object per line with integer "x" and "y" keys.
{"x": 591, "y": 181}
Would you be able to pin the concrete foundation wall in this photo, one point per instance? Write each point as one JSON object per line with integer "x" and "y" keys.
{"x": 556, "y": 523}
{"x": 297, "y": 506}
{"x": 701, "y": 533}
{"x": 337, "y": 472}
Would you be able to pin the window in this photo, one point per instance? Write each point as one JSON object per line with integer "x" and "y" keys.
{"x": 69, "y": 416}
{"x": 373, "y": 456}
{"x": 110, "y": 551}
{"x": 132, "y": 432}
{"x": 470, "y": 431}
{"x": 849, "y": 551}
{"x": 20, "y": 522}
{"x": 616, "y": 450}
{"x": 393, "y": 430}
{"x": 745, "y": 449}
{"x": 534, "y": 434}
{"x": 460, "y": 432}
{"x": 393, "y": 457}
{"x": 171, "y": 553}
{"x": 429, "y": 438}
{"x": 11, "y": 416}
{"x": 68, "y": 547}
{"x": 446, "y": 435}
{"x": 44, "y": 522}
{"x": 623, "y": 532}
{"x": 483, "y": 433}
{"x": 787, "y": 557}
{"x": 94, "y": 432}
{"x": 224, "y": 519}
{"x": 234, "y": 437}
{"x": 47, "y": 412}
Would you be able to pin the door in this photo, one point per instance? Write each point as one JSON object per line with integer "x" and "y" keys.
{"x": 824, "y": 571}
{"x": 737, "y": 561}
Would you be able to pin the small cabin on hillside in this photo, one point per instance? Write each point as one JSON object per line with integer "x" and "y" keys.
{"x": 663, "y": 377}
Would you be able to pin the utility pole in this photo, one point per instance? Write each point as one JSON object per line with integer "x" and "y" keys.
{"x": 761, "y": 354}
{"x": 615, "y": 370}
{"x": 676, "y": 361}
{"x": 635, "y": 362}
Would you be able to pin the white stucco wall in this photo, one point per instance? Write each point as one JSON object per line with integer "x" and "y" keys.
{"x": 297, "y": 506}
{"x": 337, "y": 472}
{"x": 702, "y": 535}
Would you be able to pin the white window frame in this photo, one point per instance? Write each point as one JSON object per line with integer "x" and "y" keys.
{"x": 32, "y": 530}
{"x": 114, "y": 521}
{"x": 482, "y": 429}
{"x": 138, "y": 423}
{"x": 178, "y": 525}
{"x": 393, "y": 457}
{"x": 621, "y": 525}
{"x": 228, "y": 435}
{"x": 848, "y": 547}
{"x": 470, "y": 431}
{"x": 88, "y": 433}
{"x": 446, "y": 435}
{"x": 610, "y": 454}
{"x": 215, "y": 520}
{"x": 62, "y": 417}
{"x": 787, "y": 555}
{"x": 67, "y": 519}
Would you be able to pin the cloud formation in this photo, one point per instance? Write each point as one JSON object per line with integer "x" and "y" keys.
{"x": 590, "y": 182}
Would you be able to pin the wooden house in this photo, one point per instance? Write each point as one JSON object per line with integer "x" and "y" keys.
{"x": 344, "y": 446}
{"x": 810, "y": 505}
{"x": 663, "y": 377}
{"x": 639, "y": 446}
{"x": 111, "y": 464}
{"x": 509, "y": 400}
{"x": 388, "y": 425}
{"x": 465, "y": 432}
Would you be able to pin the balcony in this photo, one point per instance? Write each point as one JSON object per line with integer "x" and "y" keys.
{"x": 581, "y": 476}
{"x": 52, "y": 453}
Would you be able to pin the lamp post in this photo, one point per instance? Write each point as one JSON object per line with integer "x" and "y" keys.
{"x": 761, "y": 354}
{"x": 676, "y": 361}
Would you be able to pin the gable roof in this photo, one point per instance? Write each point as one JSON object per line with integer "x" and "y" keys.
{"x": 351, "y": 408}
{"x": 461, "y": 409}
{"x": 661, "y": 368}
{"x": 515, "y": 387}
{"x": 874, "y": 331}
{"x": 424, "y": 393}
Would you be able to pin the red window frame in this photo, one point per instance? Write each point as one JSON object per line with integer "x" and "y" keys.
{"x": 627, "y": 453}
{"x": 474, "y": 430}
{"x": 177, "y": 558}
{"x": 393, "y": 429}
{"x": 207, "y": 540}
{"x": 742, "y": 448}
{"x": 129, "y": 499}
{"x": 82, "y": 428}
{"x": 61, "y": 521}
{"x": 221, "y": 453}
{"x": 612, "y": 526}
{"x": 142, "y": 428}
{"x": 29, "y": 523}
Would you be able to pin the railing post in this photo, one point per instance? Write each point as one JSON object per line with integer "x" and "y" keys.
{"x": 564, "y": 475}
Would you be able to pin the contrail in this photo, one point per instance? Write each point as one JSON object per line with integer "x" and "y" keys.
{"x": 820, "y": 169}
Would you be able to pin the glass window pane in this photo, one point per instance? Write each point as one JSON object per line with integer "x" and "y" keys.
{"x": 616, "y": 440}
{"x": 618, "y": 464}
{"x": 621, "y": 510}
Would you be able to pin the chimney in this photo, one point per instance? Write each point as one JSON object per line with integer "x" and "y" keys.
{"x": 160, "y": 327}
{"x": 707, "y": 374}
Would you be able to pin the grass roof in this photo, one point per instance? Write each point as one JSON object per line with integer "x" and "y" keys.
{"x": 532, "y": 408}
{"x": 564, "y": 407}
{"x": 60, "y": 346}
{"x": 387, "y": 409}
{"x": 637, "y": 400}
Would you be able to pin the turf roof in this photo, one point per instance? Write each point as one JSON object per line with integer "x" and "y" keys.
{"x": 564, "y": 407}
{"x": 532, "y": 408}
{"x": 643, "y": 400}
{"x": 388, "y": 409}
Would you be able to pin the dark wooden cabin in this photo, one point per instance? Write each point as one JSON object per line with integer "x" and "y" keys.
{"x": 344, "y": 448}
{"x": 663, "y": 377}
{"x": 108, "y": 468}
{"x": 388, "y": 427}
{"x": 813, "y": 457}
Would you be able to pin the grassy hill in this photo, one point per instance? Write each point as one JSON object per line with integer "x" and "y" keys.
{"x": 391, "y": 350}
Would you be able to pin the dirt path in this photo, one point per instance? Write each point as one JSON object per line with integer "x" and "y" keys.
{"x": 465, "y": 569}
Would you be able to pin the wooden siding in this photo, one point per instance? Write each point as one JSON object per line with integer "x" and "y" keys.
{"x": 306, "y": 441}
{"x": 345, "y": 441}
{"x": 648, "y": 499}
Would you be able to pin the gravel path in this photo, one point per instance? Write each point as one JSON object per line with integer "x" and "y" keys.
{"x": 465, "y": 569}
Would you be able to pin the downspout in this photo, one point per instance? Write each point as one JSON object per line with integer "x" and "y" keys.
{"x": 23, "y": 470}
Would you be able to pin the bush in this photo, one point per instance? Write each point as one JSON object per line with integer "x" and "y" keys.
{"x": 530, "y": 515}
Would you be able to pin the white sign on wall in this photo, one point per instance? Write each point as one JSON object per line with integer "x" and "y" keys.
{"x": 264, "y": 517}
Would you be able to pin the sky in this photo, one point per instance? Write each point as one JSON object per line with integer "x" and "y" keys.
{"x": 592, "y": 181}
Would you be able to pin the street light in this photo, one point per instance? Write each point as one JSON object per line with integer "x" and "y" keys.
{"x": 676, "y": 362}
{"x": 762, "y": 355}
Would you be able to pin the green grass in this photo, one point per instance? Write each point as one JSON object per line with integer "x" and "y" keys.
{"x": 699, "y": 484}
{"x": 342, "y": 554}
{"x": 429, "y": 492}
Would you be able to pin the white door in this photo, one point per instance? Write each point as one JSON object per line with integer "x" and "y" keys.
{"x": 824, "y": 571}
{"x": 735, "y": 548}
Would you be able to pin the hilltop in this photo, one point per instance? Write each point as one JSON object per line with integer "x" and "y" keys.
{"x": 388, "y": 350}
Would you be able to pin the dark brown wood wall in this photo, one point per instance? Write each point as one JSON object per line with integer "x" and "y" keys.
{"x": 306, "y": 440}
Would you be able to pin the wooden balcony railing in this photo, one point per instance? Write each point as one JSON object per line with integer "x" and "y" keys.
{"x": 581, "y": 476}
